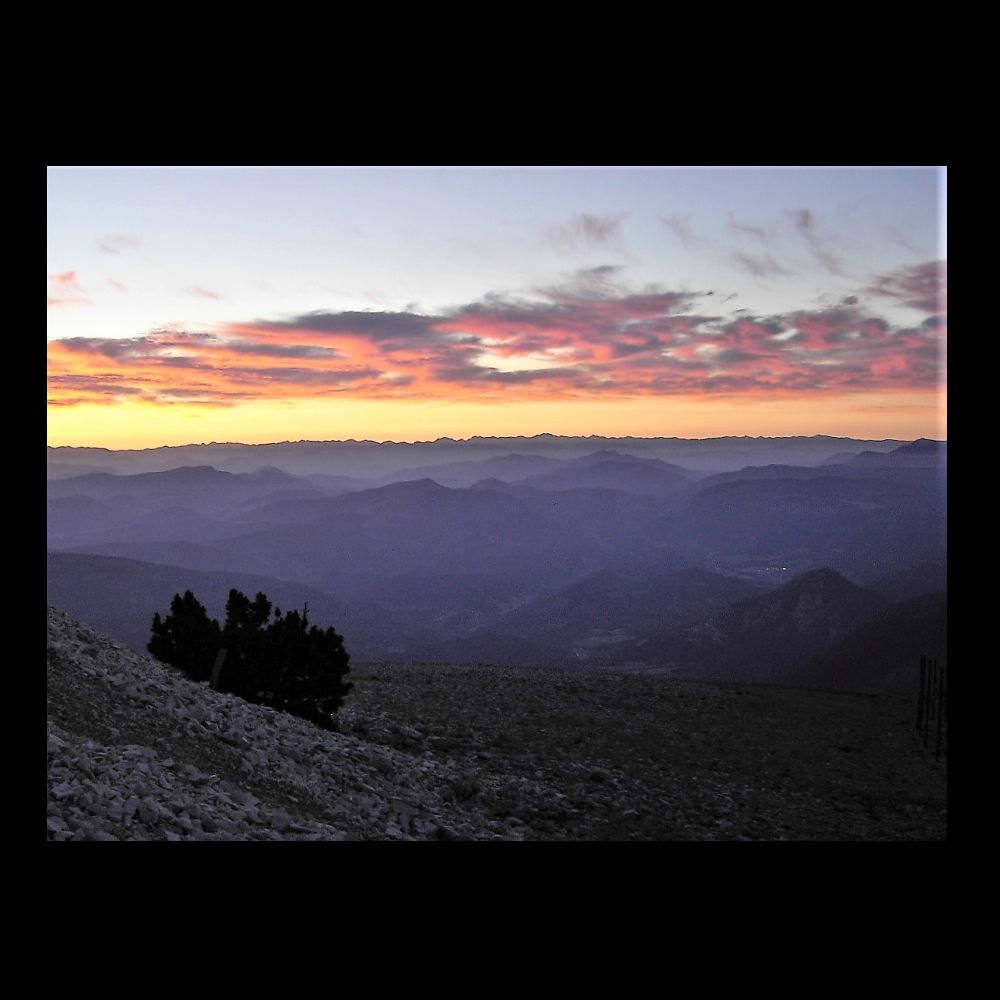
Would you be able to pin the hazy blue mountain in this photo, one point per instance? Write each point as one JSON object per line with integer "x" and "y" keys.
{"x": 456, "y": 605}
{"x": 371, "y": 459}
{"x": 575, "y": 624}
{"x": 885, "y": 652}
{"x": 494, "y": 484}
{"x": 605, "y": 552}
{"x": 423, "y": 527}
{"x": 192, "y": 504}
{"x": 864, "y": 526}
{"x": 754, "y": 473}
{"x": 119, "y": 597}
{"x": 912, "y": 581}
{"x": 876, "y": 466}
{"x": 73, "y": 521}
{"x": 335, "y": 485}
{"x": 920, "y": 454}
{"x": 611, "y": 470}
{"x": 198, "y": 487}
{"x": 67, "y": 470}
{"x": 821, "y": 605}
{"x": 772, "y": 637}
{"x": 189, "y": 555}
{"x": 505, "y": 468}
{"x": 639, "y": 603}
{"x": 923, "y": 450}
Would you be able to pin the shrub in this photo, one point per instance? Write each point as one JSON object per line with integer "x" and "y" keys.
{"x": 284, "y": 663}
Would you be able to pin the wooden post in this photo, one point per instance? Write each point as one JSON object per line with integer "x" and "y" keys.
{"x": 920, "y": 696}
{"x": 945, "y": 706}
{"x": 217, "y": 669}
{"x": 942, "y": 700}
{"x": 928, "y": 699}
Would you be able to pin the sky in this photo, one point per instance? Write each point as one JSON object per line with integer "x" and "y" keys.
{"x": 260, "y": 304}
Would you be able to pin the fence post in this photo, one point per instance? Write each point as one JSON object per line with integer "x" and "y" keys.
{"x": 942, "y": 701}
{"x": 920, "y": 696}
{"x": 927, "y": 700}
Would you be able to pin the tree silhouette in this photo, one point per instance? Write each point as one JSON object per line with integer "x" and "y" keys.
{"x": 283, "y": 663}
{"x": 246, "y": 667}
{"x": 188, "y": 638}
{"x": 306, "y": 665}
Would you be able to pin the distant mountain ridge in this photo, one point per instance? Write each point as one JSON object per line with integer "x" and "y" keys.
{"x": 119, "y": 596}
{"x": 770, "y": 637}
{"x": 613, "y": 470}
{"x": 818, "y": 628}
{"x": 370, "y": 459}
{"x": 885, "y": 652}
{"x": 922, "y": 453}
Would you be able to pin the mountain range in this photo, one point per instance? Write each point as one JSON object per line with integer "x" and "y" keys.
{"x": 605, "y": 558}
{"x": 368, "y": 459}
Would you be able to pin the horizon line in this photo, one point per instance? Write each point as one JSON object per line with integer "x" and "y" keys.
{"x": 495, "y": 437}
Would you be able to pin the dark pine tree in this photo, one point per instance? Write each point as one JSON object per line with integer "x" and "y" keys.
{"x": 245, "y": 672}
{"x": 284, "y": 663}
{"x": 187, "y": 638}
{"x": 307, "y": 667}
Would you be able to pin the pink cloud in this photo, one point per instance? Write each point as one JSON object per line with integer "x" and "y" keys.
{"x": 921, "y": 286}
{"x": 592, "y": 339}
{"x": 65, "y": 290}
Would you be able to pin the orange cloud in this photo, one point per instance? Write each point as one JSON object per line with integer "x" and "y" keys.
{"x": 589, "y": 339}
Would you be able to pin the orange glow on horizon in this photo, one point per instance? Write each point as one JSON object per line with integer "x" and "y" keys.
{"x": 141, "y": 424}
{"x": 568, "y": 362}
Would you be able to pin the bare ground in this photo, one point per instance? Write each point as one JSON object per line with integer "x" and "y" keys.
{"x": 137, "y": 752}
{"x": 654, "y": 758}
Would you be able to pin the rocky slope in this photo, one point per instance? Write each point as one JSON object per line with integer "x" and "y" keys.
{"x": 137, "y": 752}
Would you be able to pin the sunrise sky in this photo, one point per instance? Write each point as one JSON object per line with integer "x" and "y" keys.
{"x": 263, "y": 304}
